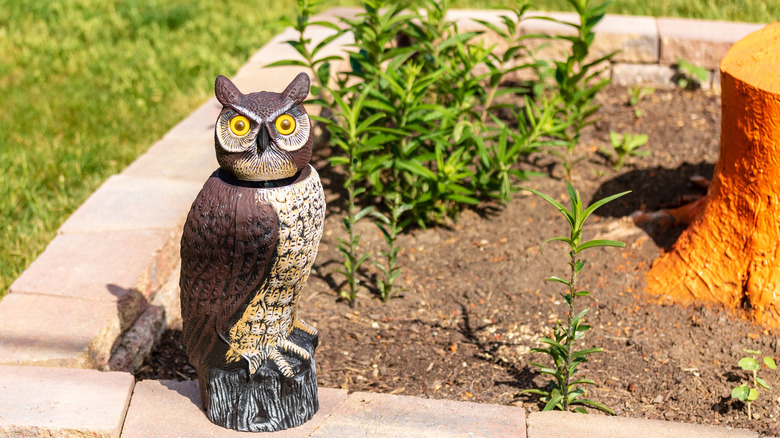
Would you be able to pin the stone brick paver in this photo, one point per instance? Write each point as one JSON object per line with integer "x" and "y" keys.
{"x": 634, "y": 38}
{"x": 101, "y": 266}
{"x": 549, "y": 48}
{"x": 199, "y": 124}
{"x": 254, "y": 75}
{"x": 165, "y": 408}
{"x": 188, "y": 159}
{"x": 55, "y": 331}
{"x": 383, "y": 415}
{"x": 657, "y": 76}
{"x": 556, "y": 424}
{"x": 700, "y": 42}
{"x": 130, "y": 203}
{"x": 62, "y": 402}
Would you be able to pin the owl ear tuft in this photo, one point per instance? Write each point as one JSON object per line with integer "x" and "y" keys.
{"x": 227, "y": 93}
{"x": 298, "y": 89}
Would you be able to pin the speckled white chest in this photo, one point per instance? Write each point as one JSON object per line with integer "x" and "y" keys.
{"x": 269, "y": 318}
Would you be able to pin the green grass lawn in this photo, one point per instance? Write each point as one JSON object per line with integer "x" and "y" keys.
{"x": 88, "y": 85}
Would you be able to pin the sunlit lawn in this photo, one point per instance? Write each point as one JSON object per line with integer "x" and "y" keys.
{"x": 88, "y": 85}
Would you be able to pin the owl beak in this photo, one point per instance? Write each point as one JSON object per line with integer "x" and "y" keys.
{"x": 262, "y": 141}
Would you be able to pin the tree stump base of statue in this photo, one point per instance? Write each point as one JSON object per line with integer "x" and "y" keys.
{"x": 268, "y": 401}
{"x": 730, "y": 254}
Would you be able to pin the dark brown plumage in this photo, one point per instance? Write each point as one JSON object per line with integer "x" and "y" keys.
{"x": 225, "y": 228}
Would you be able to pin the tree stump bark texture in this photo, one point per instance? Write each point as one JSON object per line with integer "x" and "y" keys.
{"x": 730, "y": 254}
{"x": 268, "y": 401}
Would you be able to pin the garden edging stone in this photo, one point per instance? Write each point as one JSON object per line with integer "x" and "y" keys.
{"x": 95, "y": 297}
{"x": 701, "y": 42}
{"x": 63, "y": 402}
{"x": 557, "y": 424}
{"x": 166, "y": 408}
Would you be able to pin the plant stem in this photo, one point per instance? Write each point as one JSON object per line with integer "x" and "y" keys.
{"x": 392, "y": 252}
{"x": 755, "y": 374}
{"x": 351, "y": 231}
{"x": 489, "y": 101}
{"x": 569, "y": 329}
{"x": 621, "y": 160}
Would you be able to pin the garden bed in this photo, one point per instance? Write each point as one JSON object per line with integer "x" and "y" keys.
{"x": 477, "y": 301}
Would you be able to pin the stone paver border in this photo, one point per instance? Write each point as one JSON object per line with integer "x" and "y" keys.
{"x": 68, "y": 402}
{"x": 105, "y": 288}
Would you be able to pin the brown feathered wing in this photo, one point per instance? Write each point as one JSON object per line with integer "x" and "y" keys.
{"x": 227, "y": 246}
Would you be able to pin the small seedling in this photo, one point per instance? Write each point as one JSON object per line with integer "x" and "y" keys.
{"x": 624, "y": 146}
{"x": 749, "y": 393}
{"x": 690, "y": 76}
{"x": 391, "y": 229}
{"x": 636, "y": 94}
{"x": 565, "y": 391}
{"x": 355, "y": 140}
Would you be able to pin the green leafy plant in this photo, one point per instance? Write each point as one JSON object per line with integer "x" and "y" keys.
{"x": 747, "y": 392}
{"x": 624, "y": 146}
{"x": 355, "y": 139}
{"x": 426, "y": 81}
{"x": 431, "y": 93}
{"x": 565, "y": 391}
{"x": 439, "y": 138}
{"x": 391, "y": 229}
{"x": 319, "y": 66}
{"x": 579, "y": 79}
{"x": 690, "y": 76}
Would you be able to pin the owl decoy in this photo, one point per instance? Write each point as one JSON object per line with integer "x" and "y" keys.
{"x": 251, "y": 238}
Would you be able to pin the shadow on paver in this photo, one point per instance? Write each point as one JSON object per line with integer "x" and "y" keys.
{"x": 187, "y": 390}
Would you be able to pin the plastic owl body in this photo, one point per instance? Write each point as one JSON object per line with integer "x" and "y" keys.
{"x": 247, "y": 248}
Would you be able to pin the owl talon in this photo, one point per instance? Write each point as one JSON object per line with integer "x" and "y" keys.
{"x": 284, "y": 367}
{"x": 294, "y": 348}
{"x": 272, "y": 353}
{"x": 254, "y": 363}
{"x": 305, "y": 326}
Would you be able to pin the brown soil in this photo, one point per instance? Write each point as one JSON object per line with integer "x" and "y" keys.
{"x": 476, "y": 299}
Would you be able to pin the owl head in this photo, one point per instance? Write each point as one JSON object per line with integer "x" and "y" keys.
{"x": 263, "y": 136}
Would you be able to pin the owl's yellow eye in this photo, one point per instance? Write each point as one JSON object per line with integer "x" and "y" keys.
{"x": 285, "y": 124}
{"x": 239, "y": 125}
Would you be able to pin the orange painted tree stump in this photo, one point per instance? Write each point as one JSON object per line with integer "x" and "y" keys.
{"x": 730, "y": 253}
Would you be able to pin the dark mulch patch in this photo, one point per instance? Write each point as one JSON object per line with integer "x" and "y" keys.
{"x": 476, "y": 300}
